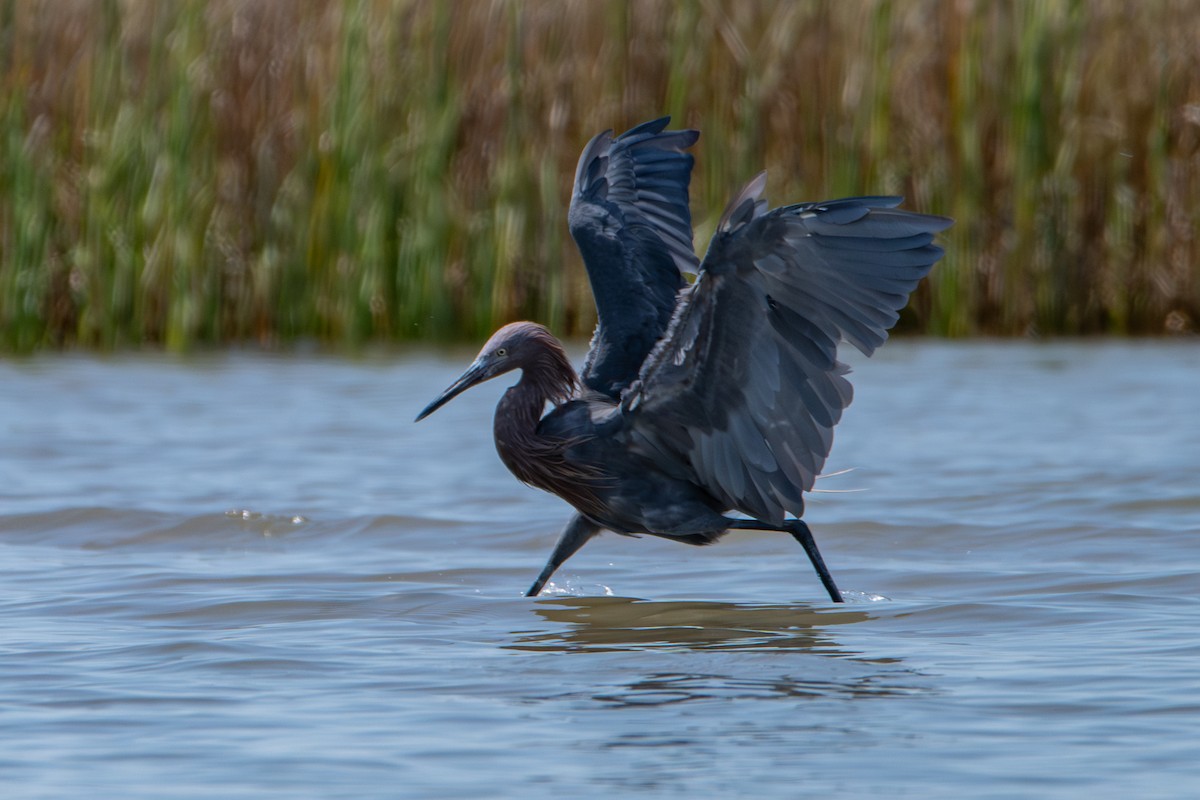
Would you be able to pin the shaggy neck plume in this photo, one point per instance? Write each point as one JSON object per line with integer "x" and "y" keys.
{"x": 536, "y": 459}
{"x": 547, "y": 375}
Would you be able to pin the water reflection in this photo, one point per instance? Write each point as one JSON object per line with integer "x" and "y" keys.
{"x": 621, "y": 623}
{"x": 767, "y": 652}
{"x": 668, "y": 689}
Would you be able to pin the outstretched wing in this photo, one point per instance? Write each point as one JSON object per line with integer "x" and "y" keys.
{"x": 629, "y": 216}
{"x": 743, "y": 393}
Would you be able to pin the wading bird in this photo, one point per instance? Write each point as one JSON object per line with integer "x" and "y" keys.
{"x": 698, "y": 399}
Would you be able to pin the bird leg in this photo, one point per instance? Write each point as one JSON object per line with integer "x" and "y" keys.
{"x": 798, "y": 528}
{"x": 574, "y": 536}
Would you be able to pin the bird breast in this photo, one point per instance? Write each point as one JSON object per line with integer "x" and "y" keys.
{"x": 543, "y": 460}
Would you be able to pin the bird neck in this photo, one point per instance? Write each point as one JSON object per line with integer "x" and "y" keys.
{"x": 546, "y": 377}
{"x": 536, "y": 458}
{"x": 549, "y": 377}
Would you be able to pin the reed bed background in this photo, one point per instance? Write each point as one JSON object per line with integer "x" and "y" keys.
{"x": 195, "y": 173}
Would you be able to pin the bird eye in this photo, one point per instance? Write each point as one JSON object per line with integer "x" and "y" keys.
{"x": 501, "y": 351}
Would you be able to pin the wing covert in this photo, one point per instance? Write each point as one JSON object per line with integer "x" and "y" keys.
{"x": 745, "y": 389}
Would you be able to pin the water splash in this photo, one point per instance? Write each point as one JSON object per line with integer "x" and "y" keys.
{"x": 865, "y": 597}
{"x": 570, "y": 588}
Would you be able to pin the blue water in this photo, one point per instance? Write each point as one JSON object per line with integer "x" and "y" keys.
{"x": 252, "y": 576}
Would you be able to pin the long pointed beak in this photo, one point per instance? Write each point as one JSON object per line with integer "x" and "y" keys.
{"x": 476, "y": 373}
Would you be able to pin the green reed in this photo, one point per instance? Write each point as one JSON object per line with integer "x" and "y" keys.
{"x": 192, "y": 173}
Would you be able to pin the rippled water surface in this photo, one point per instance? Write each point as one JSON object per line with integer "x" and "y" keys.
{"x": 245, "y": 576}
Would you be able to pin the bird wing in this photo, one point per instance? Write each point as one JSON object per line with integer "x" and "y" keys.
{"x": 742, "y": 394}
{"x": 629, "y": 217}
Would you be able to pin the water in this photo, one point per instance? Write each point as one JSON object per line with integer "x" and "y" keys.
{"x": 246, "y": 576}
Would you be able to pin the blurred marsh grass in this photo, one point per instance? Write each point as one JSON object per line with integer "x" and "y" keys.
{"x": 192, "y": 173}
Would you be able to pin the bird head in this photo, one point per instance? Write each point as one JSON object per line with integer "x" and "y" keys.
{"x": 512, "y": 347}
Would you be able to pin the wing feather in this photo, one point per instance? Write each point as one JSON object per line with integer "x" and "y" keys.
{"x": 745, "y": 388}
{"x": 629, "y": 217}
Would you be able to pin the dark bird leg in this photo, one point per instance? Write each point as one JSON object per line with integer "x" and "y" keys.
{"x": 574, "y": 536}
{"x": 800, "y": 532}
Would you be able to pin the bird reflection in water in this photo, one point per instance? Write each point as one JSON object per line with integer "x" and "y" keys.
{"x": 620, "y": 623}
{"x": 661, "y": 633}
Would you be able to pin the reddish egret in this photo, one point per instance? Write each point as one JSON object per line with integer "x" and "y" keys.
{"x": 698, "y": 400}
